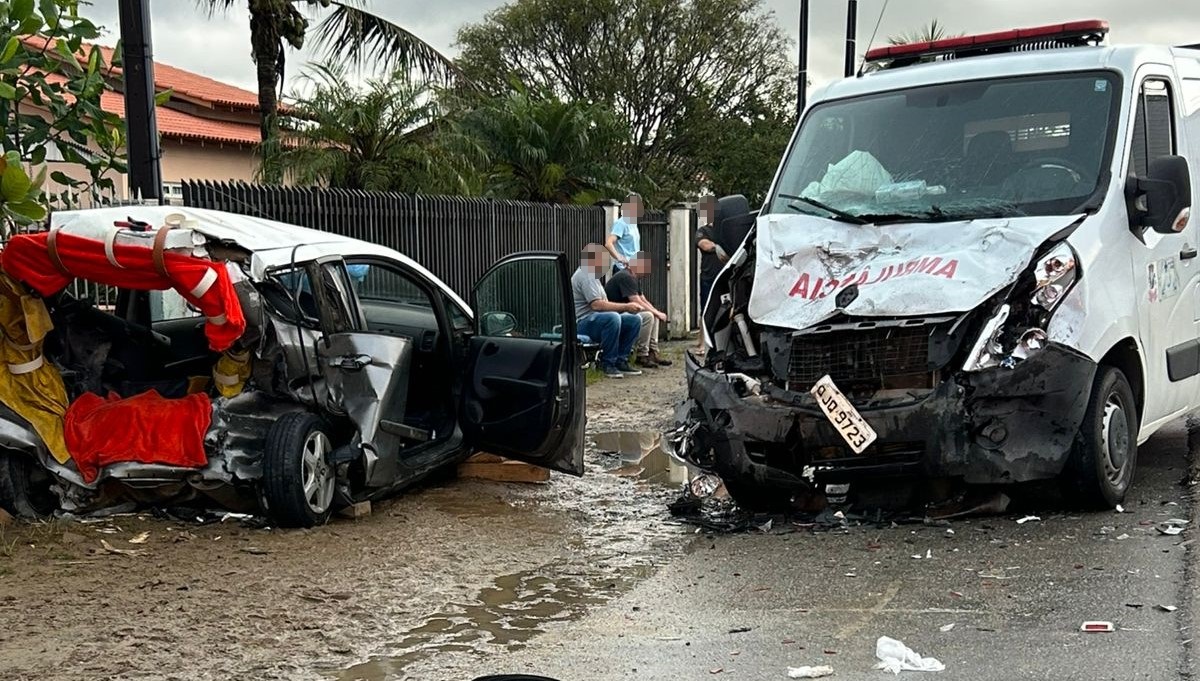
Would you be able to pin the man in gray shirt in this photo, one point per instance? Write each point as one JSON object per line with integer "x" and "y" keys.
{"x": 615, "y": 326}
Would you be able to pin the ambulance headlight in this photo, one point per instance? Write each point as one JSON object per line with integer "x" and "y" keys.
{"x": 1017, "y": 330}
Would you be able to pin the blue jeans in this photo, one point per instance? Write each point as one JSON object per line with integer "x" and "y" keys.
{"x": 615, "y": 332}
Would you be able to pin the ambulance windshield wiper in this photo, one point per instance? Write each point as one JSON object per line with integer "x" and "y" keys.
{"x": 837, "y": 214}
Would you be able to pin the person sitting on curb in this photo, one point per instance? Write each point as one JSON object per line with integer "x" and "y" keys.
{"x": 626, "y": 287}
{"x": 615, "y": 326}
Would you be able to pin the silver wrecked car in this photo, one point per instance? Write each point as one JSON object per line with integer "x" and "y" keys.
{"x": 266, "y": 367}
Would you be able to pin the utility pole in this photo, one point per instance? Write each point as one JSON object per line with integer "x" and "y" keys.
{"x": 851, "y": 31}
{"x": 802, "y": 76}
{"x": 141, "y": 124}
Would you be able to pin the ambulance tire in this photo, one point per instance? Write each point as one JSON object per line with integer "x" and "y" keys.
{"x": 1104, "y": 458}
{"x": 25, "y": 487}
{"x": 298, "y": 481}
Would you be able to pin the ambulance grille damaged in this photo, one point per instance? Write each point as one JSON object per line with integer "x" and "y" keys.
{"x": 1071, "y": 34}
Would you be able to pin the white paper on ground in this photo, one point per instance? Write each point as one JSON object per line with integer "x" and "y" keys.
{"x": 896, "y": 657}
{"x": 807, "y": 672}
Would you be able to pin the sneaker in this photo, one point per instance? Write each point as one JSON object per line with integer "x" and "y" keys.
{"x": 623, "y": 367}
{"x": 612, "y": 372}
{"x": 646, "y": 362}
{"x": 658, "y": 360}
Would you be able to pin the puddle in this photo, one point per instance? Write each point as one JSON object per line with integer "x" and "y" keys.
{"x": 639, "y": 454}
{"x": 623, "y": 534}
{"x": 509, "y": 613}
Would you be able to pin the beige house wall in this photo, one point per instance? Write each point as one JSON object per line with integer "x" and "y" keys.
{"x": 207, "y": 161}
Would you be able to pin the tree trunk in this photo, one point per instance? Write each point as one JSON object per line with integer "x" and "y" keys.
{"x": 266, "y": 50}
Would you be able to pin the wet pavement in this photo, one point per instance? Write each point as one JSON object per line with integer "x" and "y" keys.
{"x": 591, "y": 580}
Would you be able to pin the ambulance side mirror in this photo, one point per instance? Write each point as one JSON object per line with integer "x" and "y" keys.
{"x": 1163, "y": 198}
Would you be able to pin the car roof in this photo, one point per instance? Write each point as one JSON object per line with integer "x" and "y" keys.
{"x": 272, "y": 243}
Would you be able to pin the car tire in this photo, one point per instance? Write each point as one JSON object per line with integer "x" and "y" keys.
{"x": 25, "y": 487}
{"x": 1103, "y": 460}
{"x": 298, "y": 480}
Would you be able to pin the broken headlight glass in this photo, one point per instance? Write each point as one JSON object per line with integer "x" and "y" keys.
{"x": 1004, "y": 344}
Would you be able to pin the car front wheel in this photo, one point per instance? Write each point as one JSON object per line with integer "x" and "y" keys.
{"x": 298, "y": 480}
{"x": 25, "y": 487}
{"x": 1104, "y": 457}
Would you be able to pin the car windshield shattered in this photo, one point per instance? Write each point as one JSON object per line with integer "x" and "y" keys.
{"x": 986, "y": 148}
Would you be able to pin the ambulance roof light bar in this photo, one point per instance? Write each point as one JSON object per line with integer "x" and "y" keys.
{"x": 1071, "y": 34}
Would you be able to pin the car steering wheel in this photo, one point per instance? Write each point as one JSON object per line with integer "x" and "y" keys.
{"x": 1078, "y": 172}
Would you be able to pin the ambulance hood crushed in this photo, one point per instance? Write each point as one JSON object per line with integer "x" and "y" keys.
{"x": 809, "y": 269}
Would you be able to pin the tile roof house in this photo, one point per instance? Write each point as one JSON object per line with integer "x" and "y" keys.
{"x": 208, "y": 129}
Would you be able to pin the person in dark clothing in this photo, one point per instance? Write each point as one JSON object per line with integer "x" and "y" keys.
{"x": 712, "y": 255}
{"x": 626, "y": 287}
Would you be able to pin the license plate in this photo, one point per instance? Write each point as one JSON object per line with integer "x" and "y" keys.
{"x": 853, "y": 428}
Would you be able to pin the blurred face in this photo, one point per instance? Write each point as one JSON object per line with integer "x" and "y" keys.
{"x": 706, "y": 210}
{"x": 640, "y": 266}
{"x": 632, "y": 209}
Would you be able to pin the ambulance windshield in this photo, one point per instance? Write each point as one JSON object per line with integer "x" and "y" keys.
{"x": 1035, "y": 145}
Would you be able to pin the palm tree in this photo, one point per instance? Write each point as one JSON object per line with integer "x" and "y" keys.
{"x": 925, "y": 34}
{"x": 348, "y": 32}
{"x": 354, "y": 138}
{"x": 536, "y": 147}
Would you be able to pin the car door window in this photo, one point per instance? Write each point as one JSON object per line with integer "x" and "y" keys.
{"x": 392, "y": 300}
{"x": 1153, "y": 126}
{"x": 521, "y": 299}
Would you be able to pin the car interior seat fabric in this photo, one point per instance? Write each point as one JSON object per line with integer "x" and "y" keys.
{"x": 49, "y": 261}
{"x": 147, "y": 428}
{"x": 989, "y": 158}
{"x": 31, "y": 386}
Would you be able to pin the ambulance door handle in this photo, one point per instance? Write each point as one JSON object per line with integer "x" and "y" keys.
{"x": 1187, "y": 253}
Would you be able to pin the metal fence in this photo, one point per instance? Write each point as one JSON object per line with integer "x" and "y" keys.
{"x": 456, "y": 238}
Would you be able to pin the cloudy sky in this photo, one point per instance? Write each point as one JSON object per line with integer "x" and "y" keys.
{"x": 220, "y": 47}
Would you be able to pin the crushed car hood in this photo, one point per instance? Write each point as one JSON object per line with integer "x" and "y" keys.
{"x": 804, "y": 262}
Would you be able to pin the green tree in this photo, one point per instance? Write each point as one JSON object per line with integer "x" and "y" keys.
{"x": 347, "y": 32}
{"x": 662, "y": 65}
{"x": 345, "y": 136}
{"x": 533, "y": 146}
{"x": 50, "y": 92}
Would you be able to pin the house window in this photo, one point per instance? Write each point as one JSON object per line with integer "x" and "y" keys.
{"x": 173, "y": 192}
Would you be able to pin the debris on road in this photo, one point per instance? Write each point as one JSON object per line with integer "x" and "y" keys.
{"x": 1097, "y": 627}
{"x": 947, "y": 627}
{"x": 140, "y": 539}
{"x": 1167, "y": 608}
{"x": 1171, "y": 527}
{"x": 254, "y": 551}
{"x": 361, "y": 509}
{"x": 807, "y": 672}
{"x": 493, "y": 468}
{"x": 993, "y": 504}
{"x": 120, "y": 552}
{"x": 1028, "y": 519}
{"x": 741, "y": 630}
{"x": 896, "y": 657}
{"x": 1120, "y": 508}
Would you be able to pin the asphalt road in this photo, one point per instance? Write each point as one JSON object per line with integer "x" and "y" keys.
{"x": 749, "y": 606}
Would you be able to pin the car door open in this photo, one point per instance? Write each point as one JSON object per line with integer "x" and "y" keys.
{"x": 523, "y": 393}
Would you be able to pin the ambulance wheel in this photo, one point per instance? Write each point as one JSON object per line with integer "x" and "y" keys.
{"x": 298, "y": 480}
{"x": 25, "y": 487}
{"x": 1104, "y": 457}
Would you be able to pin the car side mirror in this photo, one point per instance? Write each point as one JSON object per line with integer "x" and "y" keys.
{"x": 1163, "y": 199}
{"x": 497, "y": 323}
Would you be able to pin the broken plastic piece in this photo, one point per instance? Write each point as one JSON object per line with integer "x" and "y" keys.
{"x": 1028, "y": 518}
{"x": 896, "y": 657}
{"x": 807, "y": 672}
{"x": 1093, "y": 627}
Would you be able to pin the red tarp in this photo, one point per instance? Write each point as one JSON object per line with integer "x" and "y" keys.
{"x": 203, "y": 283}
{"x": 147, "y": 428}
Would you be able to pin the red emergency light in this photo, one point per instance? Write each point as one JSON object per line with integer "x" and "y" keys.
{"x": 1071, "y": 34}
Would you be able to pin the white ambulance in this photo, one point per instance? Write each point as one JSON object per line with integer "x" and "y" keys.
{"x": 976, "y": 263}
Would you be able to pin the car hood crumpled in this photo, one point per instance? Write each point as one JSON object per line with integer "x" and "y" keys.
{"x": 803, "y": 262}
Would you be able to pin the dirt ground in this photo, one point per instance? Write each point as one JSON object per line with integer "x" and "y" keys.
{"x": 458, "y": 566}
